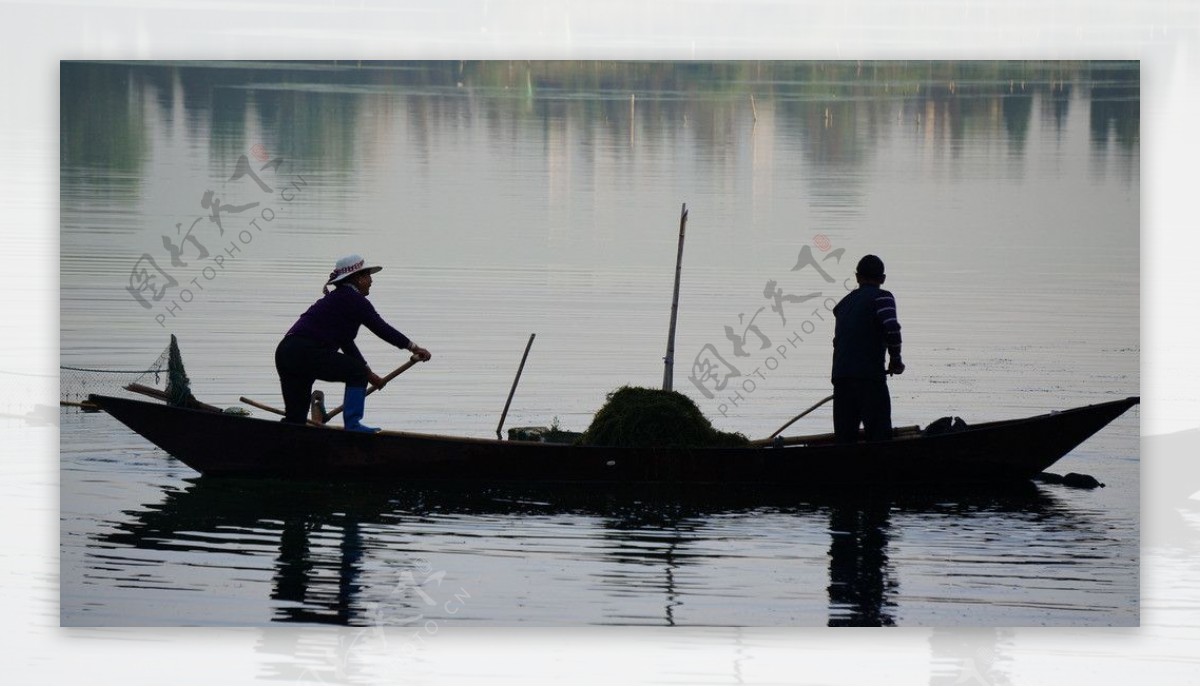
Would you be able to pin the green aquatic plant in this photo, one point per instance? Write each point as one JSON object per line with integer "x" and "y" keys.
{"x": 640, "y": 417}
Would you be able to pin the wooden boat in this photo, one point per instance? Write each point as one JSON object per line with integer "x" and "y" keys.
{"x": 214, "y": 443}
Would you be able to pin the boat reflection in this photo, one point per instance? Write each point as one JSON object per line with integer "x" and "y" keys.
{"x": 327, "y": 535}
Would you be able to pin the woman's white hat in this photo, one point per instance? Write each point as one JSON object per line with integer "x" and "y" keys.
{"x": 348, "y": 266}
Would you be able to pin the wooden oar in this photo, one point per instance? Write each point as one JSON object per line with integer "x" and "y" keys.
{"x": 395, "y": 373}
{"x": 269, "y": 409}
{"x": 261, "y": 406}
{"x": 768, "y": 440}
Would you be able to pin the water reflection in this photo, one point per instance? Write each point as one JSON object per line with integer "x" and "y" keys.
{"x": 1115, "y": 104}
{"x": 318, "y": 111}
{"x": 861, "y": 584}
{"x": 328, "y": 538}
{"x": 113, "y": 134}
{"x": 298, "y": 569}
{"x": 649, "y": 543}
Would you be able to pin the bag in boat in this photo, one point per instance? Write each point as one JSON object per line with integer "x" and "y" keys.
{"x": 944, "y": 425}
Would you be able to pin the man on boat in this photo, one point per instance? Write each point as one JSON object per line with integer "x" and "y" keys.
{"x": 309, "y": 351}
{"x": 866, "y": 328}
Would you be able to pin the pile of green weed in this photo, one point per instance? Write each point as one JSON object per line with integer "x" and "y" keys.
{"x": 640, "y": 417}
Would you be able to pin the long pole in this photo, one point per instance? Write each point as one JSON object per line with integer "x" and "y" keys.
{"x": 392, "y": 375}
{"x": 669, "y": 358}
{"x": 269, "y": 409}
{"x": 768, "y": 440}
{"x": 513, "y": 390}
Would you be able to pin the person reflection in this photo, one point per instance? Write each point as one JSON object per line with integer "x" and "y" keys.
{"x": 299, "y": 575}
{"x": 860, "y": 584}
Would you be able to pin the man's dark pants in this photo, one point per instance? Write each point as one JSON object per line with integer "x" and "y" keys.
{"x": 861, "y": 401}
{"x": 300, "y": 362}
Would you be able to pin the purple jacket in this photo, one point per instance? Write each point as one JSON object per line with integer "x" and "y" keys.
{"x": 334, "y": 320}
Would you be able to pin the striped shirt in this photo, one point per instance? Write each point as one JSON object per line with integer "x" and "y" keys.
{"x": 885, "y": 314}
{"x": 867, "y": 327}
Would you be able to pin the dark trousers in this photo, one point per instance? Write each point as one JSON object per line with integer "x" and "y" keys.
{"x": 861, "y": 401}
{"x": 301, "y": 361}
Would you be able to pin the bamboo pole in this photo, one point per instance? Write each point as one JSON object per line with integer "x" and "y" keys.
{"x": 669, "y": 358}
{"x": 908, "y": 432}
{"x": 818, "y": 404}
{"x": 270, "y": 409}
{"x": 83, "y": 405}
{"x": 513, "y": 390}
{"x": 261, "y": 406}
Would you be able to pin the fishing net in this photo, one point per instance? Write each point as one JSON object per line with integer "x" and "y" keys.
{"x": 641, "y": 417}
{"x": 75, "y": 383}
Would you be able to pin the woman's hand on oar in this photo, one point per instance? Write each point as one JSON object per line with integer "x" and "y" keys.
{"x": 377, "y": 382}
{"x": 412, "y": 360}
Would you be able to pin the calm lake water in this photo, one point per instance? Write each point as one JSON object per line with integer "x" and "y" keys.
{"x": 503, "y": 199}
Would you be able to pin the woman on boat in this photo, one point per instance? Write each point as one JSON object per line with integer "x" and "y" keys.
{"x": 309, "y": 351}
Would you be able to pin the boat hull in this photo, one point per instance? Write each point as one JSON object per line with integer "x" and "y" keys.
{"x": 225, "y": 444}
